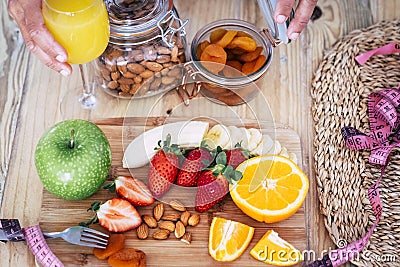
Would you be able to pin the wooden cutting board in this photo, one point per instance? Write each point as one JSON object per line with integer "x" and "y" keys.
{"x": 57, "y": 214}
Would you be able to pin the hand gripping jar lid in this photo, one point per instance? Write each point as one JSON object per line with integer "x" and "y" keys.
{"x": 276, "y": 33}
{"x": 134, "y": 22}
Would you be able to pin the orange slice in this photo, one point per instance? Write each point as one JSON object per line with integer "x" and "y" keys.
{"x": 272, "y": 249}
{"x": 228, "y": 239}
{"x": 272, "y": 189}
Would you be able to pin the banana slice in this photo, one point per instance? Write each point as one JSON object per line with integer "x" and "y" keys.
{"x": 284, "y": 152}
{"x": 293, "y": 157}
{"x": 276, "y": 148}
{"x": 236, "y": 135}
{"x": 265, "y": 145}
{"x": 218, "y": 135}
{"x": 245, "y": 137}
{"x": 255, "y": 138}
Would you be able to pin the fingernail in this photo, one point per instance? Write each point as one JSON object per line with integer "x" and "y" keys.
{"x": 60, "y": 58}
{"x": 294, "y": 36}
{"x": 64, "y": 73}
{"x": 280, "y": 19}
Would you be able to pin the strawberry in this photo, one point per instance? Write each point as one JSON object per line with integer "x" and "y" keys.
{"x": 237, "y": 155}
{"x": 213, "y": 184}
{"x": 131, "y": 189}
{"x": 116, "y": 215}
{"x": 164, "y": 167}
{"x": 194, "y": 163}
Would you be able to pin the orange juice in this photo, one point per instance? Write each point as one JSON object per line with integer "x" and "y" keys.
{"x": 80, "y": 26}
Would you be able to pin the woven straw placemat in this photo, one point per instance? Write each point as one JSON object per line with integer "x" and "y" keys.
{"x": 339, "y": 92}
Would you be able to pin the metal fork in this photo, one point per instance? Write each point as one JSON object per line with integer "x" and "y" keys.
{"x": 82, "y": 236}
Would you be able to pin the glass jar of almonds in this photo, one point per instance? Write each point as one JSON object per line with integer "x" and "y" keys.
{"x": 147, "y": 41}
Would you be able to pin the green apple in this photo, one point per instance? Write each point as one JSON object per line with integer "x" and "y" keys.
{"x": 73, "y": 159}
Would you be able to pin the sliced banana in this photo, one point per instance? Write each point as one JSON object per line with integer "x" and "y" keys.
{"x": 236, "y": 135}
{"x": 276, "y": 148}
{"x": 284, "y": 152}
{"x": 265, "y": 145}
{"x": 245, "y": 137}
{"x": 218, "y": 135}
{"x": 255, "y": 138}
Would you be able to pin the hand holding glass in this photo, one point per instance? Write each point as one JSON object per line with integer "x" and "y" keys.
{"x": 82, "y": 28}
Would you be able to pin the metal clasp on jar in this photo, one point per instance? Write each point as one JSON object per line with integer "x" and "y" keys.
{"x": 171, "y": 19}
{"x": 184, "y": 92}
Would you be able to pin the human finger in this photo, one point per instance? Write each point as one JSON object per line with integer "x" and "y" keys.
{"x": 282, "y": 10}
{"x": 301, "y": 18}
{"x": 37, "y": 38}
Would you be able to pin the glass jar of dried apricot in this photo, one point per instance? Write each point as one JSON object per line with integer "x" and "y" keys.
{"x": 230, "y": 57}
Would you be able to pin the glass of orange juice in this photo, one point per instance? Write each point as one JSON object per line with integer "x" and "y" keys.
{"x": 82, "y": 28}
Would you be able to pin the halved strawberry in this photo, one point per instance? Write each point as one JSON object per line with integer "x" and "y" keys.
{"x": 131, "y": 189}
{"x": 116, "y": 215}
{"x": 164, "y": 167}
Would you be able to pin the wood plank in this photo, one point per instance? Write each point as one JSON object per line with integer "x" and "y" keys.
{"x": 13, "y": 59}
{"x": 57, "y": 214}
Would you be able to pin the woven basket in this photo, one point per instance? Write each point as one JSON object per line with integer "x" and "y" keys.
{"x": 340, "y": 91}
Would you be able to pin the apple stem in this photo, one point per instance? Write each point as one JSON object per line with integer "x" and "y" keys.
{"x": 72, "y": 141}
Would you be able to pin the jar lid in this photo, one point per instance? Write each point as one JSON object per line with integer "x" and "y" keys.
{"x": 278, "y": 31}
{"x": 135, "y": 17}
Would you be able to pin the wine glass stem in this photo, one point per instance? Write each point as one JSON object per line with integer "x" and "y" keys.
{"x": 87, "y": 100}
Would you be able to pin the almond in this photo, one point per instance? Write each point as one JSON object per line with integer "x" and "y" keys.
{"x": 187, "y": 238}
{"x": 124, "y": 80}
{"x": 177, "y": 205}
{"x": 142, "y": 231}
{"x": 194, "y": 220}
{"x": 171, "y": 217}
{"x": 167, "y": 80}
{"x": 167, "y": 225}
{"x": 161, "y": 234}
{"x": 146, "y": 74}
{"x": 179, "y": 229}
{"x": 150, "y": 221}
{"x": 158, "y": 211}
{"x": 113, "y": 85}
{"x": 135, "y": 68}
{"x": 154, "y": 66}
{"x": 185, "y": 217}
{"x": 115, "y": 75}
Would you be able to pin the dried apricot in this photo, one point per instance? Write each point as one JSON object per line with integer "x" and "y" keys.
{"x": 128, "y": 257}
{"x": 115, "y": 243}
{"x": 248, "y": 67}
{"x": 216, "y": 35}
{"x": 259, "y": 62}
{"x": 200, "y": 48}
{"x": 243, "y": 34}
{"x": 231, "y": 72}
{"x": 216, "y": 54}
{"x": 227, "y": 38}
{"x": 237, "y": 51}
{"x": 250, "y": 56}
{"x": 245, "y": 43}
{"x": 235, "y": 64}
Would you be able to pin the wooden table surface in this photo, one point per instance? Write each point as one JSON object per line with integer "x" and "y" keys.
{"x": 30, "y": 94}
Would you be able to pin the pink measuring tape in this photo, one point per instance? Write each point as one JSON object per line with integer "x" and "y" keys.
{"x": 384, "y": 135}
{"x": 34, "y": 238}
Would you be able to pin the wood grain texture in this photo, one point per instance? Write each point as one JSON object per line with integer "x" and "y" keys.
{"x": 30, "y": 93}
{"x": 13, "y": 59}
{"x": 56, "y": 214}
